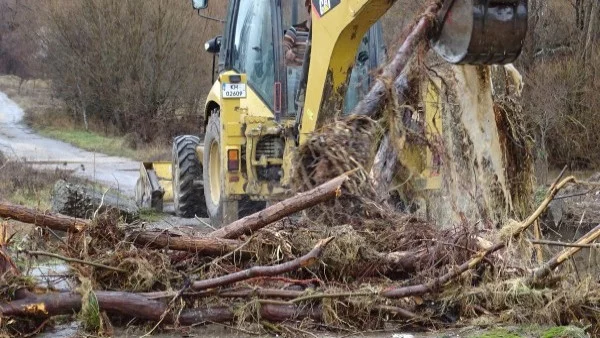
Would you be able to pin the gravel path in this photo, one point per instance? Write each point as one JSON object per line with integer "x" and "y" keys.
{"x": 17, "y": 141}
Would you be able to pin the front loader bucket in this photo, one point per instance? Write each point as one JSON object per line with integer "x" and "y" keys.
{"x": 481, "y": 32}
{"x": 154, "y": 186}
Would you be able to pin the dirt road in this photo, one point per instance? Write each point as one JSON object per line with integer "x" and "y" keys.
{"x": 17, "y": 141}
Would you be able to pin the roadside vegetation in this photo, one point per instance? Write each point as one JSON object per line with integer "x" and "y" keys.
{"x": 22, "y": 184}
{"x": 49, "y": 116}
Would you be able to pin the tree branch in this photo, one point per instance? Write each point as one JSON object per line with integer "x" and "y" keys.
{"x": 304, "y": 261}
{"x": 42, "y": 219}
{"x": 301, "y": 201}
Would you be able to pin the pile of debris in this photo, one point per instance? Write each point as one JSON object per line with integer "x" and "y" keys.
{"x": 374, "y": 268}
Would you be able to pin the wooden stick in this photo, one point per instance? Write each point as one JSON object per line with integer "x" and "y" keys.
{"x": 72, "y": 260}
{"x": 42, "y": 219}
{"x": 563, "y": 244}
{"x": 397, "y": 311}
{"x": 6, "y": 263}
{"x": 254, "y": 222}
{"x": 544, "y": 205}
{"x": 421, "y": 289}
{"x": 207, "y": 246}
{"x": 538, "y": 236}
{"x": 565, "y": 254}
{"x": 304, "y": 261}
{"x": 138, "y": 306}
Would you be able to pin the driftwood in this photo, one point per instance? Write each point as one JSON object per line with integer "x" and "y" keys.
{"x": 146, "y": 307}
{"x": 421, "y": 289}
{"x": 546, "y": 269}
{"x": 304, "y": 261}
{"x": 42, "y": 219}
{"x": 207, "y": 246}
{"x": 256, "y": 221}
{"x": 138, "y": 306}
{"x": 385, "y": 163}
{"x": 82, "y": 201}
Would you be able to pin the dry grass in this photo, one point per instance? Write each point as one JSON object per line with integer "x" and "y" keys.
{"x": 147, "y": 270}
{"x": 21, "y": 183}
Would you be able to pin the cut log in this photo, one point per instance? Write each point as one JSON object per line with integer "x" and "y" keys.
{"x": 82, "y": 201}
{"x": 133, "y": 305}
{"x": 301, "y": 201}
{"x": 207, "y": 246}
{"x": 42, "y": 219}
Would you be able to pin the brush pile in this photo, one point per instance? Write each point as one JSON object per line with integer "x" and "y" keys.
{"x": 367, "y": 269}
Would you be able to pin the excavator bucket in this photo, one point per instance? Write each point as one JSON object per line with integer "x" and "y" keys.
{"x": 481, "y": 32}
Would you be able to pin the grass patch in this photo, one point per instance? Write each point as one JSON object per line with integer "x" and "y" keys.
{"x": 91, "y": 141}
{"x": 151, "y": 215}
{"x": 564, "y": 332}
{"x": 531, "y": 331}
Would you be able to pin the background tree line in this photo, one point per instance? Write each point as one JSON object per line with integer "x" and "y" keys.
{"x": 135, "y": 66}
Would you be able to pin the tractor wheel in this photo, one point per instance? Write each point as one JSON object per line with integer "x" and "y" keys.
{"x": 187, "y": 178}
{"x": 220, "y": 210}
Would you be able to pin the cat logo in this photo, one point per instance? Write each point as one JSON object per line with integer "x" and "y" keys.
{"x": 325, "y": 6}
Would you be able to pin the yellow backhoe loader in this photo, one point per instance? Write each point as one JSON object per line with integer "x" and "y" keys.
{"x": 256, "y": 113}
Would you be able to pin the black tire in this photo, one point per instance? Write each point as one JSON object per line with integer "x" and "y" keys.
{"x": 187, "y": 174}
{"x": 219, "y": 209}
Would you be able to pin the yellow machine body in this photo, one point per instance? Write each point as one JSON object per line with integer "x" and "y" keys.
{"x": 256, "y": 124}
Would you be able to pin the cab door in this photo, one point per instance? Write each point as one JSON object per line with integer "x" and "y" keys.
{"x": 253, "y": 49}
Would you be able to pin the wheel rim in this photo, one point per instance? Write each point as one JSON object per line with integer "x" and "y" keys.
{"x": 215, "y": 173}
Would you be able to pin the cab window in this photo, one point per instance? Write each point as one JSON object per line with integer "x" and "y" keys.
{"x": 253, "y": 51}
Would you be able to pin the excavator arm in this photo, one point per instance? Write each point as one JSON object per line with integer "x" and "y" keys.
{"x": 468, "y": 32}
{"x": 336, "y": 32}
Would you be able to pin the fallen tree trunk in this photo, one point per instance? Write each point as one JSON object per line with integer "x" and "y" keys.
{"x": 42, "y": 219}
{"x": 301, "y": 262}
{"x": 301, "y": 201}
{"x": 82, "y": 201}
{"x": 138, "y": 306}
{"x": 208, "y": 246}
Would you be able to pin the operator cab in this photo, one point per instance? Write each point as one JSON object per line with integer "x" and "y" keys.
{"x": 254, "y": 45}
